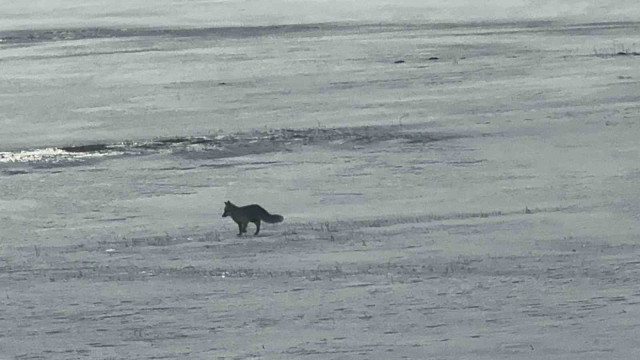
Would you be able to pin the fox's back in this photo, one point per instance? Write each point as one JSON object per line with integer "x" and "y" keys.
{"x": 251, "y": 212}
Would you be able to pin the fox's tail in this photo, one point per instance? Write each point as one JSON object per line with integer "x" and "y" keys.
{"x": 272, "y": 218}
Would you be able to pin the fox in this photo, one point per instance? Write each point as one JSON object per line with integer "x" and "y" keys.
{"x": 254, "y": 213}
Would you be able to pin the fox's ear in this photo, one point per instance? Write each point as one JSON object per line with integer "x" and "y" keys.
{"x": 227, "y": 202}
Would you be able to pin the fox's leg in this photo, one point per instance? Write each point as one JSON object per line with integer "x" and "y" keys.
{"x": 257, "y": 222}
{"x": 239, "y": 229}
{"x": 244, "y": 227}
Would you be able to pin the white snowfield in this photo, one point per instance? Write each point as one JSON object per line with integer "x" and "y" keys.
{"x": 204, "y": 13}
{"x": 449, "y": 192}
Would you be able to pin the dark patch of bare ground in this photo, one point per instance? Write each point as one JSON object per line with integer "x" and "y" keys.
{"x": 369, "y": 289}
{"x": 261, "y": 142}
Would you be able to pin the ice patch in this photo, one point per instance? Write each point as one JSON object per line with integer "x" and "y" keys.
{"x": 31, "y": 155}
{"x": 50, "y": 155}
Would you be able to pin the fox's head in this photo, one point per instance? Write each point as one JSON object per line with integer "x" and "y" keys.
{"x": 228, "y": 206}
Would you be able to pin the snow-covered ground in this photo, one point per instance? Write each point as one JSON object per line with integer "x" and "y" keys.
{"x": 488, "y": 209}
{"x": 204, "y": 13}
{"x": 497, "y": 244}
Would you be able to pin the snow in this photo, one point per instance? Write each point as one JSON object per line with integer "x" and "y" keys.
{"x": 489, "y": 210}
